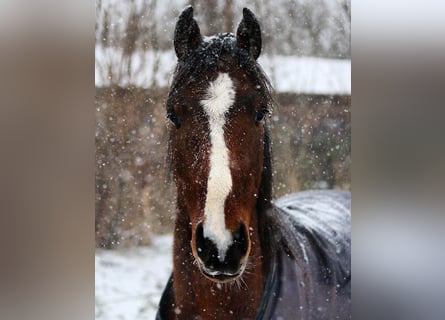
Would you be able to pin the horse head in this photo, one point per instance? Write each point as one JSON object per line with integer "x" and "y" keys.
{"x": 217, "y": 108}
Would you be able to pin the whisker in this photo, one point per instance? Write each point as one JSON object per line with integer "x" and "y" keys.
{"x": 242, "y": 283}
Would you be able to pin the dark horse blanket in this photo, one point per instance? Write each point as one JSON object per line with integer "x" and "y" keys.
{"x": 310, "y": 275}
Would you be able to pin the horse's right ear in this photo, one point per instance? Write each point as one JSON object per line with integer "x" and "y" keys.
{"x": 187, "y": 33}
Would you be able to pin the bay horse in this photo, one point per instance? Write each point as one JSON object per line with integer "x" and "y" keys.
{"x": 237, "y": 254}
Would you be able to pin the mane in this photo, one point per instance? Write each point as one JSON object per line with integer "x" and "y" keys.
{"x": 264, "y": 205}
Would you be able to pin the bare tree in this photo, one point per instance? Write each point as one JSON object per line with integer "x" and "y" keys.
{"x": 210, "y": 16}
{"x": 131, "y": 36}
{"x": 228, "y": 15}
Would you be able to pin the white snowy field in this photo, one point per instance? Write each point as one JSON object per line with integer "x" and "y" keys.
{"x": 129, "y": 282}
{"x": 306, "y": 75}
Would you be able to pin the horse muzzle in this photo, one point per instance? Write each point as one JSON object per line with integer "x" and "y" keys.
{"x": 222, "y": 268}
{"x": 220, "y": 276}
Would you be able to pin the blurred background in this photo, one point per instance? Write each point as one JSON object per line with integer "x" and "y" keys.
{"x": 306, "y": 54}
{"x": 48, "y": 123}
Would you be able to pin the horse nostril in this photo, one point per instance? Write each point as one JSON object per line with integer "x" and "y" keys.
{"x": 240, "y": 242}
{"x": 205, "y": 248}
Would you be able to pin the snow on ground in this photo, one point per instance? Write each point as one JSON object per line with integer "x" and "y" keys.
{"x": 308, "y": 75}
{"x": 129, "y": 282}
{"x": 288, "y": 73}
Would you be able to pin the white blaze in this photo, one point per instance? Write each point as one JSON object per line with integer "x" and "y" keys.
{"x": 218, "y": 100}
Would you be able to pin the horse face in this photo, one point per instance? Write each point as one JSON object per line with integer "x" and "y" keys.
{"x": 217, "y": 147}
{"x": 217, "y": 159}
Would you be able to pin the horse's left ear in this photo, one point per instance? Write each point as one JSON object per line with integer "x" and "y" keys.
{"x": 248, "y": 35}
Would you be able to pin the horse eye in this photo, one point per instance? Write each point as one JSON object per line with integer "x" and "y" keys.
{"x": 260, "y": 115}
{"x": 174, "y": 119}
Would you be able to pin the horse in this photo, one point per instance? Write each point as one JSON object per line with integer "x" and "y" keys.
{"x": 237, "y": 254}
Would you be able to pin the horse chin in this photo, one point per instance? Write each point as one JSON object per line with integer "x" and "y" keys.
{"x": 219, "y": 276}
